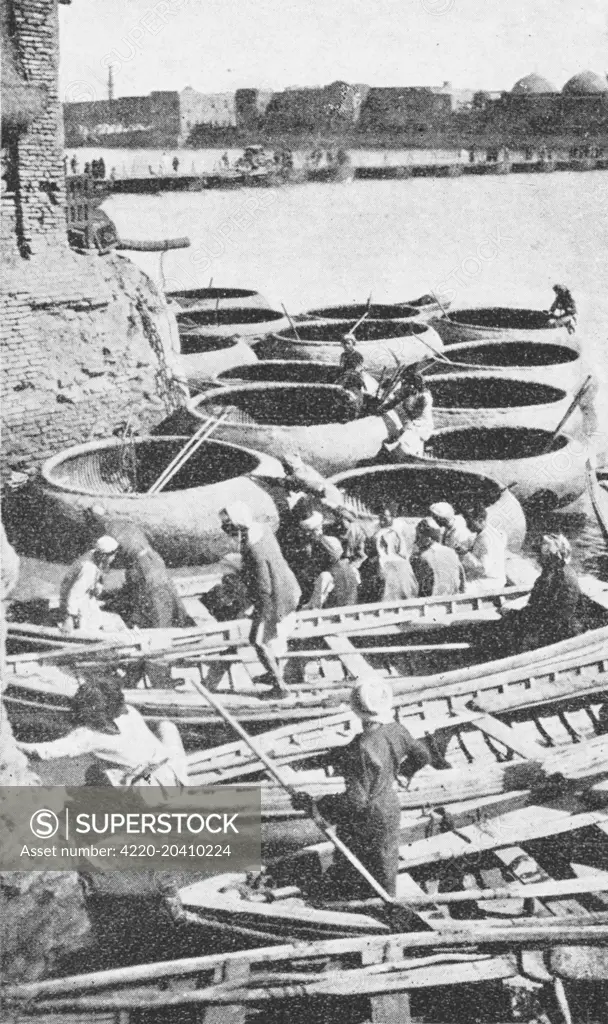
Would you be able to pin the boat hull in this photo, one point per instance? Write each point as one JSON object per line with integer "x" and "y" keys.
{"x": 384, "y": 344}
{"x": 329, "y": 445}
{"x": 203, "y": 357}
{"x": 182, "y": 522}
{"x": 416, "y": 491}
{"x": 237, "y": 321}
{"x": 195, "y": 299}
{"x": 484, "y": 400}
{"x": 559, "y": 366}
{"x": 503, "y": 324}
{"x": 514, "y": 457}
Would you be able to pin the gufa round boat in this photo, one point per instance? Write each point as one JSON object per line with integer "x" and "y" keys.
{"x": 384, "y": 344}
{"x": 375, "y": 311}
{"x": 237, "y": 321}
{"x": 316, "y": 420}
{"x": 416, "y": 486}
{"x": 503, "y": 323}
{"x": 209, "y": 298}
{"x": 544, "y": 472}
{"x": 182, "y": 522}
{"x": 557, "y": 365}
{"x": 463, "y": 399}
{"x": 202, "y": 356}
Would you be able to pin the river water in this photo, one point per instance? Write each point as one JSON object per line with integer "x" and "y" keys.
{"x": 479, "y": 240}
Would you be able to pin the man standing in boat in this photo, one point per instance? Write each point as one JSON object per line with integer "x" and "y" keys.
{"x": 368, "y": 812}
{"x": 564, "y": 307}
{"x": 272, "y": 587}
{"x": 438, "y": 569}
{"x": 79, "y": 606}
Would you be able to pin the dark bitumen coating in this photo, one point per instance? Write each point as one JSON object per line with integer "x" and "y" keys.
{"x": 188, "y": 296}
{"x": 282, "y": 371}
{"x": 134, "y": 467}
{"x": 471, "y": 444}
{"x": 377, "y": 311}
{"x": 503, "y": 317}
{"x": 192, "y": 344}
{"x": 514, "y": 353}
{"x": 227, "y": 317}
{"x": 369, "y": 330}
{"x": 288, "y": 406}
{"x": 467, "y": 392}
{"x": 417, "y": 487}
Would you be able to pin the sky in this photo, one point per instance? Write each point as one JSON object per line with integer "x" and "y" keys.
{"x": 222, "y": 45}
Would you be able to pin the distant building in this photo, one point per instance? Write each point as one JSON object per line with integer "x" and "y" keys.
{"x": 131, "y": 121}
{"x": 534, "y": 108}
{"x": 333, "y": 107}
{"x": 251, "y": 105}
{"x": 212, "y": 110}
{"x": 411, "y": 109}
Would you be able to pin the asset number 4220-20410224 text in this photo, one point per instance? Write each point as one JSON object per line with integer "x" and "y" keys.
{"x": 173, "y": 850}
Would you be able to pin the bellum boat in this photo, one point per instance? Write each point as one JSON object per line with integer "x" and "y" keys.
{"x": 558, "y": 365}
{"x": 543, "y": 471}
{"x": 195, "y": 299}
{"x": 384, "y": 344}
{"x": 315, "y": 420}
{"x": 503, "y": 323}
{"x": 182, "y": 521}
{"x": 237, "y": 321}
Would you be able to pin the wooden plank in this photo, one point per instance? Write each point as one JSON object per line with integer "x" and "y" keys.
{"x": 354, "y": 663}
{"x": 532, "y": 822}
{"x": 235, "y": 973}
{"x": 504, "y": 734}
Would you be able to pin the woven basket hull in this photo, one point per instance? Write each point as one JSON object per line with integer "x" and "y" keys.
{"x": 182, "y": 523}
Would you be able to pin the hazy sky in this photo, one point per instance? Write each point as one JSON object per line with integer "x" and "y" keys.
{"x": 221, "y": 45}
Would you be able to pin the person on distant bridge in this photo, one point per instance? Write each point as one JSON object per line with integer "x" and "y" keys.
{"x": 74, "y": 164}
{"x": 564, "y": 306}
{"x": 175, "y": 165}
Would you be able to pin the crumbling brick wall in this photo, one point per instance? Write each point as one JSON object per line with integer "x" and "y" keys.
{"x": 77, "y": 360}
{"x": 39, "y": 150}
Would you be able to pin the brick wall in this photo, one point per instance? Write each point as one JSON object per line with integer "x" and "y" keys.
{"x": 78, "y": 359}
{"x": 41, "y": 185}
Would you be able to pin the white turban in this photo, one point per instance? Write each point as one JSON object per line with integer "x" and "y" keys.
{"x": 442, "y": 510}
{"x": 240, "y": 515}
{"x": 106, "y": 545}
{"x": 372, "y": 701}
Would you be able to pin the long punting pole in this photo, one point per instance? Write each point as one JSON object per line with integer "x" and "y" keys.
{"x": 277, "y": 774}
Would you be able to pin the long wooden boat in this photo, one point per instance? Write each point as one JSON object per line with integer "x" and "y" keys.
{"x": 363, "y": 978}
{"x": 195, "y": 299}
{"x": 599, "y": 499}
{"x": 543, "y": 471}
{"x": 342, "y": 636}
{"x": 384, "y": 344}
{"x": 182, "y": 521}
{"x": 202, "y": 357}
{"x": 503, "y": 323}
{"x": 558, "y": 366}
{"x": 237, "y": 321}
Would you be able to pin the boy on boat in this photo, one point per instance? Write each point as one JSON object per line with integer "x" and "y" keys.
{"x": 79, "y": 606}
{"x": 564, "y": 306}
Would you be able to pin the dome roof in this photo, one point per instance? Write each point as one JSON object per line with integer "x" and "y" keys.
{"x": 533, "y": 84}
{"x": 586, "y": 82}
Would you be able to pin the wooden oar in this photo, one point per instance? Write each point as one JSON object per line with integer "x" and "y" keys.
{"x": 574, "y": 403}
{"x": 441, "y": 306}
{"x": 291, "y": 323}
{"x": 339, "y": 653}
{"x": 276, "y": 773}
{"x": 438, "y": 355}
{"x": 191, "y": 446}
{"x": 351, "y": 333}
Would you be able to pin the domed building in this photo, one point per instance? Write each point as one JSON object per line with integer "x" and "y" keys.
{"x": 585, "y": 84}
{"x": 532, "y": 85}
